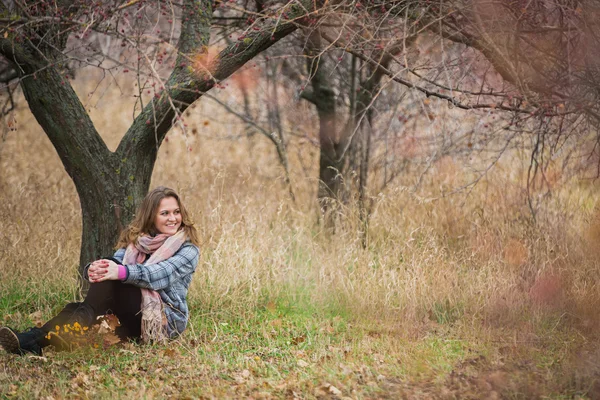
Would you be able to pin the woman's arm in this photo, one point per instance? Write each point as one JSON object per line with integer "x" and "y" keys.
{"x": 118, "y": 256}
{"x": 165, "y": 273}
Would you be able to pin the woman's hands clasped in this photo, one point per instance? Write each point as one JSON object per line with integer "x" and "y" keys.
{"x": 103, "y": 270}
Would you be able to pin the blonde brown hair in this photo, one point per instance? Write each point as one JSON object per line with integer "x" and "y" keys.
{"x": 143, "y": 222}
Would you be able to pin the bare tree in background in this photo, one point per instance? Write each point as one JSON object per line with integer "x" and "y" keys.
{"x": 534, "y": 60}
{"x": 546, "y": 51}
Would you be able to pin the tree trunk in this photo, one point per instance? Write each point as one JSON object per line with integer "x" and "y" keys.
{"x": 323, "y": 97}
{"x": 330, "y": 164}
{"x": 109, "y": 205}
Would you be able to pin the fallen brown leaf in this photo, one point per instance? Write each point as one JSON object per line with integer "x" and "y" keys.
{"x": 110, "y": 339}
{"x": 327, "y": 390}
{"x": 170, "y": 353}
{"x": 272, "y": 307}
{"x": 298, "y": 339}
{"x": 276, "y": 323}
{"x": 36, "y": 318}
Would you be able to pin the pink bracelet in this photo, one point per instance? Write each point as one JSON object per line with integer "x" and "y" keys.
{"x": 122, "y": 272}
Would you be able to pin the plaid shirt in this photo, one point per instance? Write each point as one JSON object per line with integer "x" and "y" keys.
{"x": 171, "y": 279}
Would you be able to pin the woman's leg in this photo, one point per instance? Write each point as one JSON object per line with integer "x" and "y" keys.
{"x": 33, "y": 340}
{"x": 128, "y": 310}
{"x": 99, "y": 301}
{"x": 103, "y": 298}
{"x": 107, "y": 297}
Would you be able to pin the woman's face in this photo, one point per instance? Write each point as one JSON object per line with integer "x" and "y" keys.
{"x": 168, "y": 217}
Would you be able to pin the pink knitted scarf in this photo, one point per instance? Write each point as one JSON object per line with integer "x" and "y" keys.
{"x": 160, "y": 248}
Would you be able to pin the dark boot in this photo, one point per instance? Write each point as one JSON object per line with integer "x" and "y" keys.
{"x": 30, "y": 341}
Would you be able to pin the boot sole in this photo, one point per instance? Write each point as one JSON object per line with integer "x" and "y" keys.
{"x": 9, "y": 340}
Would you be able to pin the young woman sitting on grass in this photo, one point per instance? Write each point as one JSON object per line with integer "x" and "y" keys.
{"x": 144, "y": 284}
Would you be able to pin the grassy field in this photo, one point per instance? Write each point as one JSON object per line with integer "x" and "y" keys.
{"x": 456, "y": 297}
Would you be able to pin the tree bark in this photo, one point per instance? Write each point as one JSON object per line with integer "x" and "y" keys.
{"x": 323, "y": 97}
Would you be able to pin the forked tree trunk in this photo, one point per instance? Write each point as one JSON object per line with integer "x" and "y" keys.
{"x": 109, "y": 187}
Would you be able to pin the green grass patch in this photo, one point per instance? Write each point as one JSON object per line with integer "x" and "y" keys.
{"x": 291, "y": 342}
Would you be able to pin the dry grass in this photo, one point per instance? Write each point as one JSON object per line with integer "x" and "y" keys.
{"x": 463, "y": 296}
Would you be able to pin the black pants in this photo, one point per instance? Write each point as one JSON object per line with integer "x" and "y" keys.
{"x": 108, "y": 297}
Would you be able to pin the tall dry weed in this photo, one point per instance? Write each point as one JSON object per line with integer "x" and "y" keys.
{"x": 474, "y": 260}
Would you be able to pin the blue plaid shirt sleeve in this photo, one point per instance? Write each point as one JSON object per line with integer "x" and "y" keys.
{"x": 119, "y": 254}
{"x": 163, "y": 274}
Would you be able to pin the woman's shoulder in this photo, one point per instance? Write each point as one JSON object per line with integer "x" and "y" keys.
{"x": 120, "y": 251}
{"x": 189, "y": 247}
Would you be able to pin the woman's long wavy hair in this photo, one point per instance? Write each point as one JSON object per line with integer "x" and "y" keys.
{"x": 143, "y": 222}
